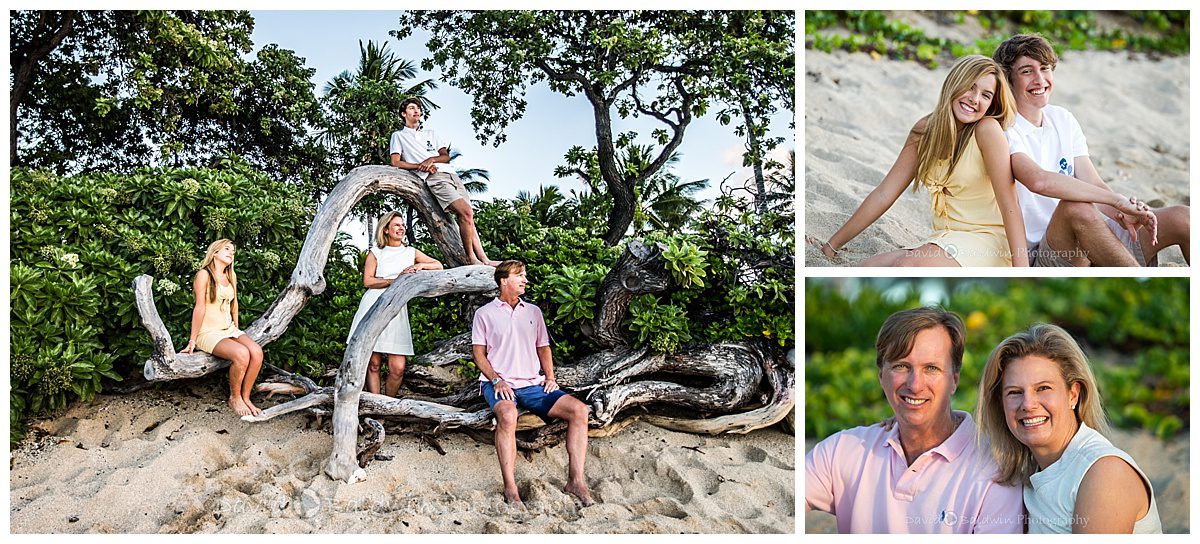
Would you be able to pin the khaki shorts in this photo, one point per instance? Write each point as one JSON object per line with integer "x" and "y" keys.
{"x": 1043, "y": 255}
{"x": 446, "y": 188}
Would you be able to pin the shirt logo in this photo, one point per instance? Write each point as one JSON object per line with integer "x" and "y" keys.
{"x": 1065, "y": 167}
{"x": 428, "y": 145}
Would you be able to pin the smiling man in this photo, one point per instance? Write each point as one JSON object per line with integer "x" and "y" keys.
{"x": 1073, "y": 218}
{"x": 925, "y": 474}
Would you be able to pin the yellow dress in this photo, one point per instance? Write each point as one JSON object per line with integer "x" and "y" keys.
{"x": 218, "y": 320}
{"x": 966, "y": 217}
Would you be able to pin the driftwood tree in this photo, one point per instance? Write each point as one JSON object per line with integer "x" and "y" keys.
{"x": 731, "y": 387}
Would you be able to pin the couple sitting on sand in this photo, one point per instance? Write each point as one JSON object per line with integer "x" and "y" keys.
{"x": 1041, "y": 438}
{"x": 980, "y": 137}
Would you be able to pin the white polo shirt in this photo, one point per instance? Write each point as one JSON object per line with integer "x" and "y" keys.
{"x": 415, "y": 146}
{"x": 1053, "y": 146}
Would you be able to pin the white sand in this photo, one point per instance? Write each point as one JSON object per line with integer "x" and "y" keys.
{"x": 1165, "y": 463}
{"x": 201, "y": 470}
{"x": 857, "y": 112}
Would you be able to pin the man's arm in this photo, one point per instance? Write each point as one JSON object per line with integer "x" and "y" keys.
{"x": 479, "y": 354}
{"x": 1055, "y": 185}
{"x": 426, "y": 165}
{"x": 546, "y": 358}
{"x": 1086, "y": 188}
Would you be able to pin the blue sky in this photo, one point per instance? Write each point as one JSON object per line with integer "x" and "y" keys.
{"x": 329, "y": 42}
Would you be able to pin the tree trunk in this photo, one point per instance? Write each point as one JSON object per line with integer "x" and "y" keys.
{"x": 752, "y": 148}
{"x": 639, "y": 271}
{"x": 25, "y": 62}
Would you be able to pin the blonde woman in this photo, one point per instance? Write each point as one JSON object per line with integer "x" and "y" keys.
{"x": 215, "y": 325}
{"x": 384, "y": 264}
{"x": 1040, "y": 409}
{"x": 958, "y": 153}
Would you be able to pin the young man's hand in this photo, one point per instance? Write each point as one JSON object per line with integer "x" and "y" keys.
{"x": 1133, "y": 214}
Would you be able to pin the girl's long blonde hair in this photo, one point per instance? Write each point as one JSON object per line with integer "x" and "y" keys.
{"x": 944, "y": 136}
{"x": 381, "y": 235}
{"x": 1015, "y": 460}
{"x": 209, "y": 265}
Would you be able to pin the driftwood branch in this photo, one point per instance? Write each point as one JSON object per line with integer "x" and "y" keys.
{"x": 307, "y": 278}
{"x": 638, "y": 271}
{"x": 352, "y": 374}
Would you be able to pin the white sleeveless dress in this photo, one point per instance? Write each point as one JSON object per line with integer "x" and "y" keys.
{"x": 397, "y": 337}
{"x": 1051, "y": 498}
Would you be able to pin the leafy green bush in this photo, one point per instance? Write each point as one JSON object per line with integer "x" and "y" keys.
{"x": 1147, "y": 318}
{"x": 662, "y": 327}
{"x": 78, "y": 242}
{"x": 874, "y": 32}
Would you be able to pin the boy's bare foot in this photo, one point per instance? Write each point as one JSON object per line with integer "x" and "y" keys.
{"x": 239, "y": 407}
{"x": 513, "y": 498}
{"x": 580, "y": 492}
{"x": 492, "y": 263}
{"x": 253, "y": 409}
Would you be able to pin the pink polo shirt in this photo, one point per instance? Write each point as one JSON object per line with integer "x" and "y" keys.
{"x": 511, "y": 336}
{"x": 860, "y": 475}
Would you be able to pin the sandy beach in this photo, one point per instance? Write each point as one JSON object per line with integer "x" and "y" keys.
{"x": 178, "y": 461}
{"x": 1165, "y": 463}
{"x": 857, "y": 111}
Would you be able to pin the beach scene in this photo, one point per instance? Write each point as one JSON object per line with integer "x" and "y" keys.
{"x": 402, "y": 272}
{"x": 1133, "y": 106}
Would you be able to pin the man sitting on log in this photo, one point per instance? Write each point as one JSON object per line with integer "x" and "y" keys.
{"x": 509, "y": 344}
{"x": 420, "y": 150}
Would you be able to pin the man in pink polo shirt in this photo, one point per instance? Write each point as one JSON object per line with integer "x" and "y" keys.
{"x": 510, "y": 344}
{"x": 926, "y": 474}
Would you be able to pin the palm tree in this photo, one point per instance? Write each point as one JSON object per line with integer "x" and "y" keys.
{"x": 664, "y": 202}
{"x": 363, "y": 110}
{"x": 364, "y": 105}
{"x": 549, "y": 207}
{"x": 780, "y": 184}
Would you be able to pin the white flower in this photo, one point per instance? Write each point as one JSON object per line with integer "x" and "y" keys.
{"x": 166, "y": 286}
{"x": 72, "y": 259}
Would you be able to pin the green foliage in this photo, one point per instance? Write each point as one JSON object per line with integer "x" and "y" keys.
{"x": 685, "y": 262}
{"x": 1135, "y": 333}
{"x": 662, "y": 327}
{"x": 574, "y": 290}
{"x": 157, "y": 87}
{"x": 78, "y": 242}
{"x": 874, "y": 32}
{"x": 691, "y": 62}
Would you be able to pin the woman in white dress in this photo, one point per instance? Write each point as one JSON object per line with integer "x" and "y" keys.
{"x": 384, "y": 264}
{"x": 1040, "y": 409}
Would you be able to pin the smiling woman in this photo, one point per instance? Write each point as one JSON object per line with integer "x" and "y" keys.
{"x": 1040, "y": 408}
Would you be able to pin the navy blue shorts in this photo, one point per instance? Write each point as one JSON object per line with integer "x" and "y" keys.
{"x": 531, "y": 398}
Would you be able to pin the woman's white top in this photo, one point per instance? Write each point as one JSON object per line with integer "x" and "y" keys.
{"x": 1050, "y": 499}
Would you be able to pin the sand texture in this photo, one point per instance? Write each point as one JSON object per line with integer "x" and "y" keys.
{"x": 177, "y": 460}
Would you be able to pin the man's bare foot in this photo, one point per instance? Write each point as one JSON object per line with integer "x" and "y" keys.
{"x": 492, "y": 263}
{"x": 513, "y": 498}
{"x": 580, "y": 492}
{"x": 253, "y": 409}
{"x": 239, "y": 407}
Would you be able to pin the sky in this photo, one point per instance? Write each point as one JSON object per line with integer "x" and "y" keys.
{"x": 329, "y": 42}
